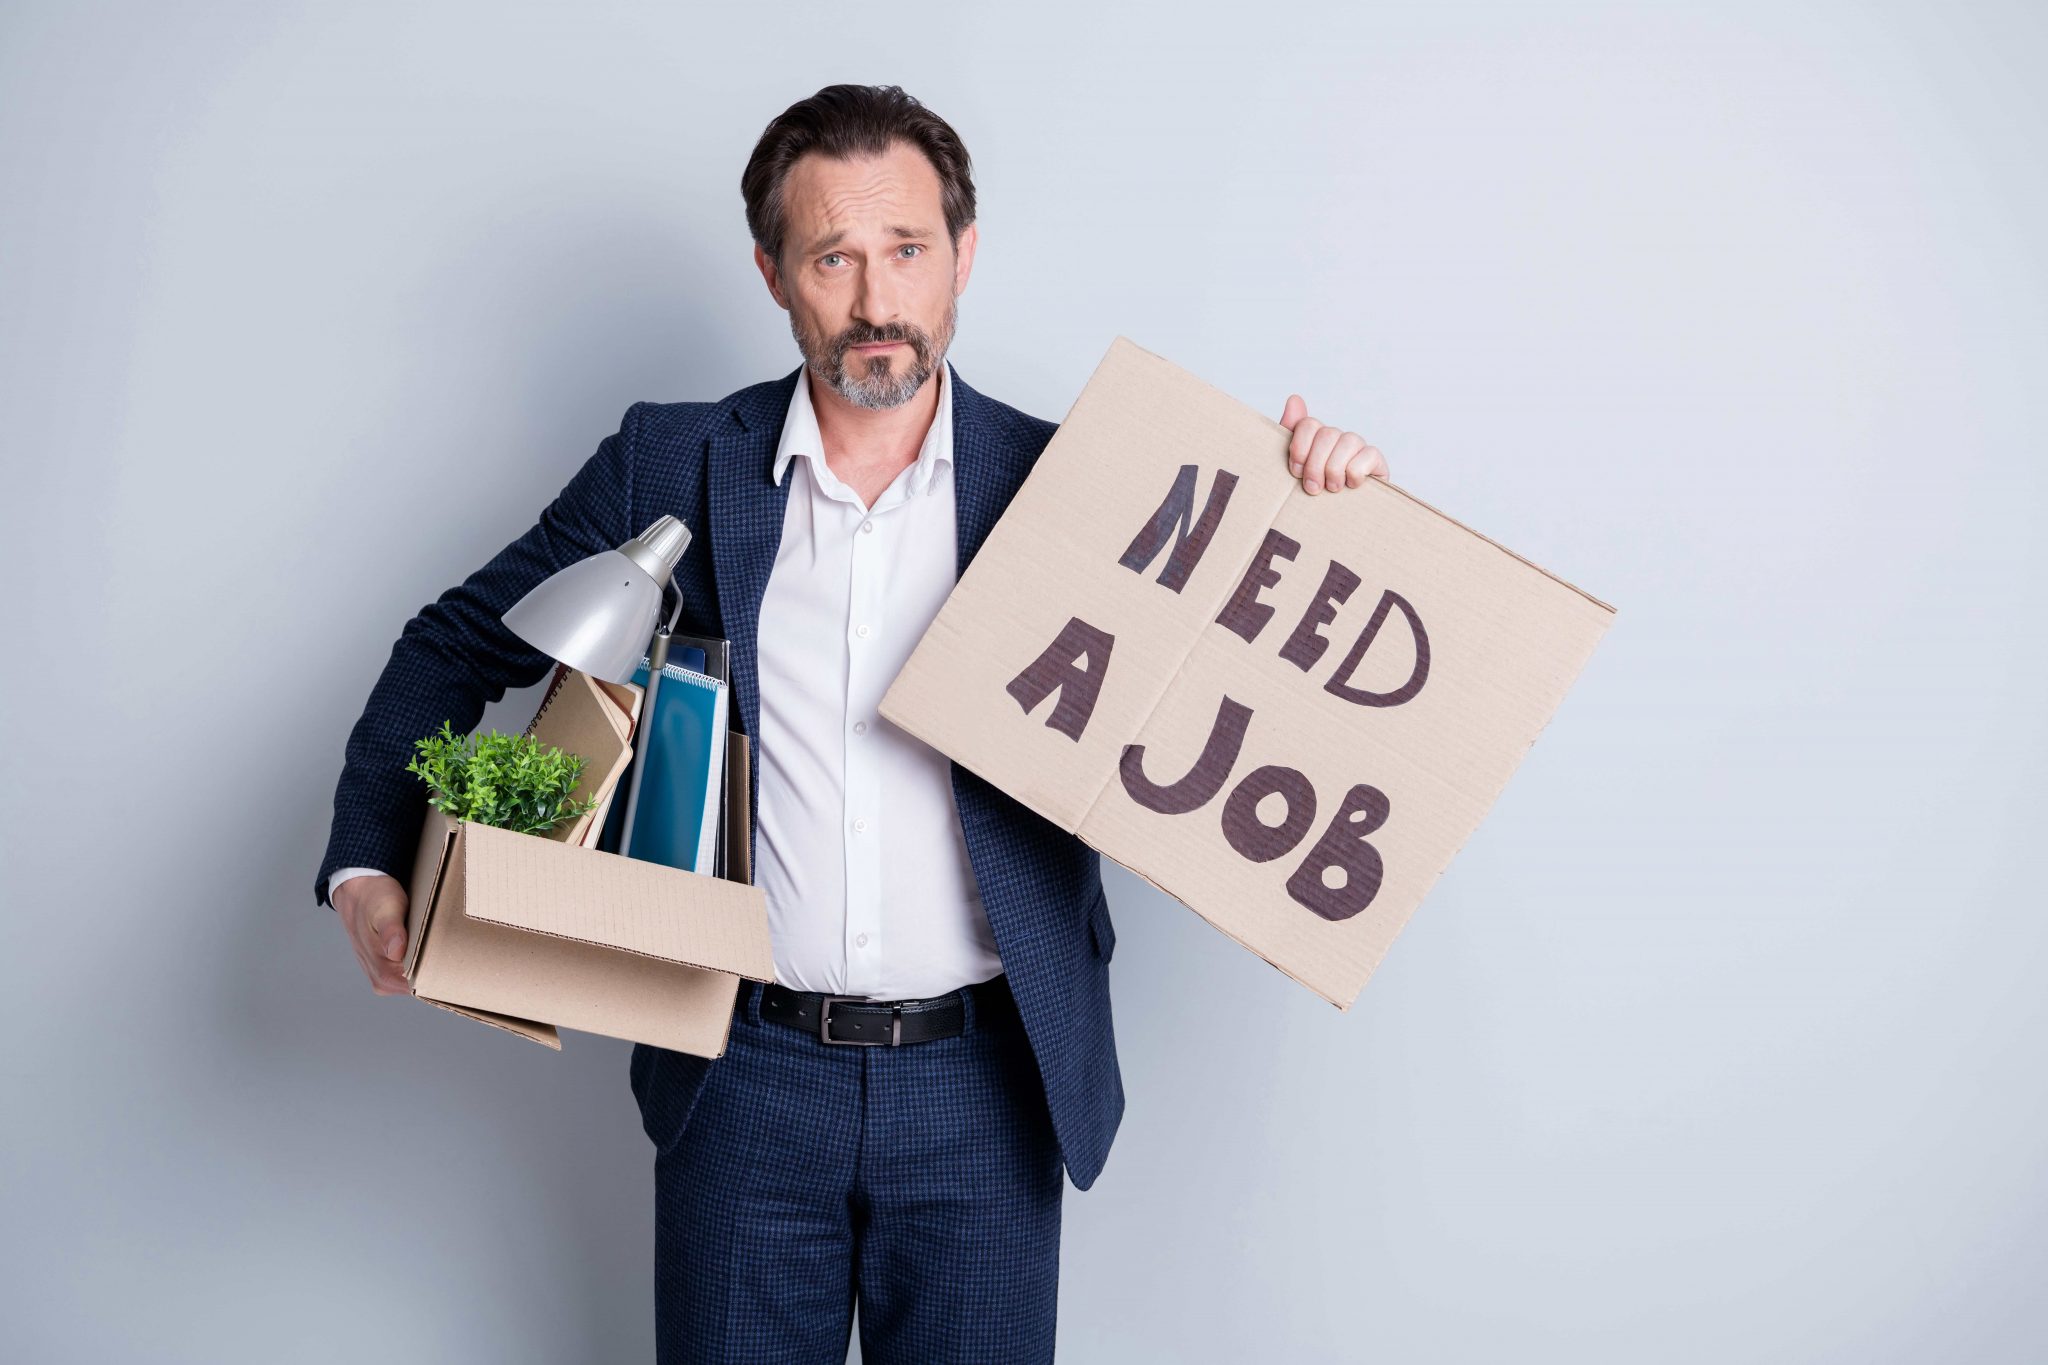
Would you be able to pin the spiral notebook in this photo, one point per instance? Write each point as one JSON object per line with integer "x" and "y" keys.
{"x": 595, "y": 719}
{"x": 682, "y": 798}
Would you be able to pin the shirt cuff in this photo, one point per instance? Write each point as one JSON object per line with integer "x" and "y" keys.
{"x": 345, "y": 873}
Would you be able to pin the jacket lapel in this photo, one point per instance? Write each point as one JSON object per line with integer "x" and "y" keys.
{"x": 987, "y": 468}
{"x": 746, "y": 528}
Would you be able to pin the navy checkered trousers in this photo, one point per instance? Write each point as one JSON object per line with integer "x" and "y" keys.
{"x": 792, "y": 1176}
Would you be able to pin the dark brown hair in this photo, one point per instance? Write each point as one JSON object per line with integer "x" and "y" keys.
{"x": 847, "y": 121}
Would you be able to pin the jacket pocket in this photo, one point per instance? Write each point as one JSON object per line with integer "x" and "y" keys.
{"x": 1099, "y": 926}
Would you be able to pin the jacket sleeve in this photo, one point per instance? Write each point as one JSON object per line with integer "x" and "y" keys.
{"x": 455, "y": 656}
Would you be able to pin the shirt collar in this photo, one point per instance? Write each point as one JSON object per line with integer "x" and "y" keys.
{"x": 800, "y": 433}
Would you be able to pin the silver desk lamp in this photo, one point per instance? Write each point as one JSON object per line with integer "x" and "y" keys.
{"x": 596, "y": 615}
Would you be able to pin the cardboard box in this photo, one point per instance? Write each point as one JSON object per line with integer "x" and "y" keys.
{"x": 534, "y": 933}
{"x": 1286, "y": 711}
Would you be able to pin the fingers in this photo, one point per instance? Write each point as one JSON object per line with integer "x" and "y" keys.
{"x": 1336, "y": 460}
{"x": 1320, "y": 469}
{"x": 1325, "y": 458}
{"x": 386, "y": 978}
{"x": 377, "y": 933}
{"x": 387, "y": 930}
{"x": 1305, "y": 431}
{"x": 1366, "y": 463}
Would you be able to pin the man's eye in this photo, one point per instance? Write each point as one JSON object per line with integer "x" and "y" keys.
{"x": 831, "y": 257}
{"x": 913, "y": 246}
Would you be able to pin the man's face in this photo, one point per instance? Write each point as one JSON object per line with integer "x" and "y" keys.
{"x": 868, "y": 273}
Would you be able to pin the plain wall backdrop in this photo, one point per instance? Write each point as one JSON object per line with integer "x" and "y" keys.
{"x": 1722, "y": 1040}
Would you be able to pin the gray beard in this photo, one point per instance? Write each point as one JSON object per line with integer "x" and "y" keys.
{"x": 884, "y": 386}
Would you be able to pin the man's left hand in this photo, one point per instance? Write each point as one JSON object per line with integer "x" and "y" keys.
{"x": 1324, "y": 458}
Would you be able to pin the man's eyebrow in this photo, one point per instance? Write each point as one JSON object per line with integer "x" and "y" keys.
{"x": 895, "y": 229}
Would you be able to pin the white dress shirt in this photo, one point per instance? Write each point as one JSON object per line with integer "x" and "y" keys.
{"x": 859, "y": 853}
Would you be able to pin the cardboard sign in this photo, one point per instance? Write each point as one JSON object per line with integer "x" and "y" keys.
{"x": 1287, "y": 712}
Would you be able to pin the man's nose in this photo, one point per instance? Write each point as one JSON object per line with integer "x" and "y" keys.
{"x": 876, "y": 301}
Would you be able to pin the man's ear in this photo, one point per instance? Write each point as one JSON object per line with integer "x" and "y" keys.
{"x": 963, "y": 252}
{"x": 771, "y": 275}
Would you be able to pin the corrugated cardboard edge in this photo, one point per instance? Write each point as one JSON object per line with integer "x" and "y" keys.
{"x": 544, "y": 1034}
{"x": 1342, "y": 1005}
{"x": 1123, "y": 341}
{"x": 437, "y": 840}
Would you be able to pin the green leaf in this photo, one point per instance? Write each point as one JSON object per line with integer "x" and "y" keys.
{"x": 509, "y": 781}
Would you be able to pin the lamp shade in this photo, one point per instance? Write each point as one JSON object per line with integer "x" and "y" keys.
{"x": 597, "y": 614}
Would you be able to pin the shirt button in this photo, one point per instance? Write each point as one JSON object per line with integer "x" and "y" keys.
{"x": 867, "y": 526}
{"x": 861, "y": 631}
{"x": 860, "y": 727}
{"x": 862, "y": 940}
{"x": 860, "y": 827}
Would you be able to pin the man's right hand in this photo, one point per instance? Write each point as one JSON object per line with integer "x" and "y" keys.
{"x": 373, "y": 911}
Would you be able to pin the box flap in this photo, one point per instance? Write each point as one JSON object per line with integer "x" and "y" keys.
{"x": 544, "y": 1034}
{"x": 602, "y": 899}
{"x": 429, "y": 866}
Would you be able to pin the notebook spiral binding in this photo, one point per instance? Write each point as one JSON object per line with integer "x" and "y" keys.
{"x": 561, "y": 676}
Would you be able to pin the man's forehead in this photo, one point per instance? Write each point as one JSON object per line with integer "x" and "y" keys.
{"x": 897, "y": 193}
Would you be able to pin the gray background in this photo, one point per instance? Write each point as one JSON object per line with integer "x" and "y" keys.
{"x": 1723, "y": 1039}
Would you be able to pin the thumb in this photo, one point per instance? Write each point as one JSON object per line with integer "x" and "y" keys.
{"x": 1293, "y": 412}
{"x": 391, "y": 937}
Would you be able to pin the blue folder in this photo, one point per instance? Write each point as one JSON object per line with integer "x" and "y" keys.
{"x": 684, "y": 747}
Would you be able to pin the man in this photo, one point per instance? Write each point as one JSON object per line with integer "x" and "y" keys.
{"x": 902, "y": 1155}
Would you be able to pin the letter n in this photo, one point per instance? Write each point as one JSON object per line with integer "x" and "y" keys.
{"x": 1176, "y": 517}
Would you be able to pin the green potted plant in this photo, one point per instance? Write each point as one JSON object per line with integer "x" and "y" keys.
{"x": 511, "y": 782}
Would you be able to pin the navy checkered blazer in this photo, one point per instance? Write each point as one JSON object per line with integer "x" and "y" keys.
{"x": 709, "y": 465}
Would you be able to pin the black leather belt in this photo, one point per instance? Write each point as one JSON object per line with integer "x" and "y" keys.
{"x": 856, "y": 1020}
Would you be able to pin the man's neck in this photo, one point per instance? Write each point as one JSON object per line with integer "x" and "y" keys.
{"x": 872, "y": 441}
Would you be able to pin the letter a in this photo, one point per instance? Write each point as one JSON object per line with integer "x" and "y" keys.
{"x": 1059, "y": 669}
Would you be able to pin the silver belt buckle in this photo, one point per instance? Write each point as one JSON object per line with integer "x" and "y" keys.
{"x": 825, "y": 1024}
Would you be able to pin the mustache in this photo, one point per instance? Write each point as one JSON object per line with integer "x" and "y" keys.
{"x": 865, "y": 334}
